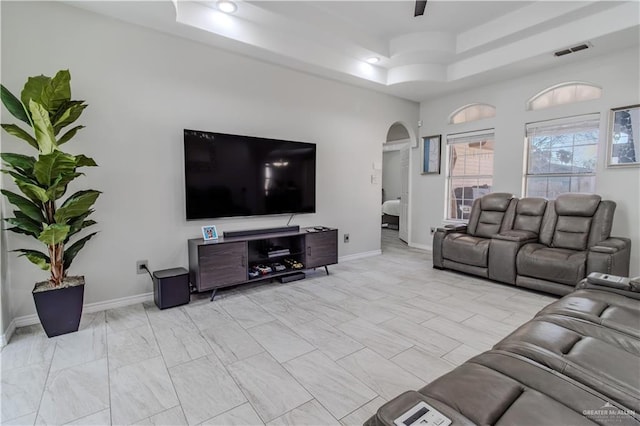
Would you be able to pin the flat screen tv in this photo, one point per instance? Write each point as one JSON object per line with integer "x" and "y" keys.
{"x": 232, "y": 175}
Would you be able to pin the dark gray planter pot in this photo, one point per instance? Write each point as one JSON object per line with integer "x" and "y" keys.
{"x": 59, "y": 308}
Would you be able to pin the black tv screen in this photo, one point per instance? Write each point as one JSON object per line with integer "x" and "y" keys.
{"x": 232, "y": 175}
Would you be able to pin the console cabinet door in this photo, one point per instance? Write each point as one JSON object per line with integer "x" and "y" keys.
{"x": 222, "y": 264}
{"x": 321, "y": 249}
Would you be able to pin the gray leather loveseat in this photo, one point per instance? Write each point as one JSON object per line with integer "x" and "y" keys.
{"x": 535, "y": 243}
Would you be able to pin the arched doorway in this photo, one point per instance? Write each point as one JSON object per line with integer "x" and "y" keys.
{"x": 396, "y": 153}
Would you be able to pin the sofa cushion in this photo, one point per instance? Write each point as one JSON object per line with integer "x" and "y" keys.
{"x": 552, "y": 264}
{"x": 607, "y": 309}
{"x": 573, "y": 204}
{"x": 467, "y": 249}
{"x": 571, "y": 221}
{"x": 496, "y": 201}
{"x": 572, "y": 232}
{"x": 491, "y": 214}
{"x": 498, "y": 388}
{"x": 602, "y": 222}
{"x": 576, "y": 352}
{"x": 489, "y": 223}
{"x": 529, "y": 212}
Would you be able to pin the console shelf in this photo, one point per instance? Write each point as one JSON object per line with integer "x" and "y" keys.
{"x": 227, "y": 261}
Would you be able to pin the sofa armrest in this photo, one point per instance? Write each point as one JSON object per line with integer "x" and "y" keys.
{"x": 395, "y": 408}
{"x": 611, "y": 245}
{"x": 438, "y": 240}
{"x": 629, "y": 287}
{"x": 517, "y": 236}
{"x": 611, "y": 256}
{"x": 448, "y": 229}
{"x": 503, "y": 251}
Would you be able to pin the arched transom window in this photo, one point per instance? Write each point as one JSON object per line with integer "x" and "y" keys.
{"x": 564, "y": 93}
{"x": 472, "y": 112}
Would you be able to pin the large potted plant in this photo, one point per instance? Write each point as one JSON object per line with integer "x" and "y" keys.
{"x": 46, "y": 107}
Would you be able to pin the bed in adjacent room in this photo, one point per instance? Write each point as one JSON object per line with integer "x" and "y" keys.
{"x": 391, "y": 214}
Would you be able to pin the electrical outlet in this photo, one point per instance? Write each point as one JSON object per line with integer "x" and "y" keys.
{"x": 346, "y": 238}
{"x": 433, "y": 230}
{"x": 140, "y": 266}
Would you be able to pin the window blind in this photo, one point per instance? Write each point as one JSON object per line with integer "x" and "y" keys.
{"x": 468, "y": 137}
{"x": 583, "y": 123}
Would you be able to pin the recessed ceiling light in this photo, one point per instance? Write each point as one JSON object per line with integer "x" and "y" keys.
{"x": 227, "y": 6}
{"x": 373, "y": 60}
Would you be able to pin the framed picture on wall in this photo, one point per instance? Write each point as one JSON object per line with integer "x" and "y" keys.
{"x": 624, "y": 137}
{"x": 431, "y": 154}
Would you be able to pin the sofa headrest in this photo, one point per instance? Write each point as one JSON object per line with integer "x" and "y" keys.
{"x": 577, "y": 204}
{"x": 496, "y": 201}
{"x": 531, "y": 206}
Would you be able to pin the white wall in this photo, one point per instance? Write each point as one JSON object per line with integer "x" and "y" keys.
{"x": 143, "y": 89}
{"x": 391, "y": 175}
{"x": 5, "y": 311}
{"x": 617, "y": 74}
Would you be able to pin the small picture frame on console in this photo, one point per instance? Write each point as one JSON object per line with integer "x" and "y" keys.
{"x": 624, "y": 137}
{"x": 209, "y": 233}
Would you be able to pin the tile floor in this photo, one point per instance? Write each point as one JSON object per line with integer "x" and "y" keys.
{"x": 327, "y": 350}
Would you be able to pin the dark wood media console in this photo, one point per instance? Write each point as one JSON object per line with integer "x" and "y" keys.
{"x": 230, "y": 261}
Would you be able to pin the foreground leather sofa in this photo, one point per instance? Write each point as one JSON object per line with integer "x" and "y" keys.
{"x": 538, "y": 244}
{"x": 576, "y": 363}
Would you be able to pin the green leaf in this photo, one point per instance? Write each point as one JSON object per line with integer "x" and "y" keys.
{"x": 71, "y": 252}
{"x": 63, "y": 112}
{"x": 56, "y": 165}
{"x": 59, "y": 187}
{"x": 76, "y": 205}
{"x": 18, "y": 176}
{"x": 69, "y": 113}
{"x": 58, "y": 91}
{"x": 43, "y": 129}
{"x": 75, "y": 223}
{"x": 84, "y": 161}
{"x": 14, "y": 106}
{"x": 54, "y": 234}
{"x": 40, "y": 259}
{"x": 22, "y": 163}
{"x": 27, "y": 207}
{"x": 78, "y": 226}
{"x": 20, "y": 231}
{"x": 34, "y": 89}
{"x": 67, "y": 136}
{"x": 23, "y": 222}
{"x": 14, "y": 130}
{"x": 33, "y": 192}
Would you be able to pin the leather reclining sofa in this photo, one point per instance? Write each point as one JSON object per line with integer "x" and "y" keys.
{"x": 535, "y": 243}
{"x": 576, "y": 363}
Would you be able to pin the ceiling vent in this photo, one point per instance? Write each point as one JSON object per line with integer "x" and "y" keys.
{"x": 572, "y": 49}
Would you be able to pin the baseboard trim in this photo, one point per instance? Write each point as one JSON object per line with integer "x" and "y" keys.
{"x": 6, "y": 336}
{"x": 26, "y": 320}
{"x": 424, "y": 247}
{"x": 349, "y": 257}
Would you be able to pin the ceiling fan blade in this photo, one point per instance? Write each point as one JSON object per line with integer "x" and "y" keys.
{"x": 420, "y": 5}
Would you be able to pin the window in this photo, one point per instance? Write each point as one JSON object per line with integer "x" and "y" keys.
{"x": 562, "y": 156}
{"x": 564, "y": 93}
{"x": 470, "y": 171}
{"x": 472, "y": 112}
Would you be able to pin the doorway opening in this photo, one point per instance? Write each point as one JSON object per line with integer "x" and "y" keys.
{"x": 396, "y": 152}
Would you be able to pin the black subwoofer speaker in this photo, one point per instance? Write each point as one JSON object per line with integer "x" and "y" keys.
{"x": 171, "y": 287}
